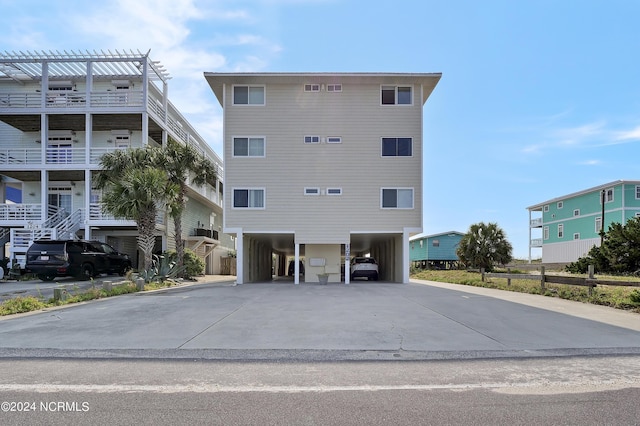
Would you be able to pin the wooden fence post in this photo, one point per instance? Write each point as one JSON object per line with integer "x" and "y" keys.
{"x": 509, "y": 279}
{"x": 542, "y": 279}
{"x": 482, "y": 273}
{"x": 591, "y": 276}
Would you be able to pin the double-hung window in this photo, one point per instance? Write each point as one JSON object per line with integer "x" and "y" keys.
{"x": 248, "y": 147}
{"x": 397, "y": 147}
{"x": 397, "y": 198}
{"x": 247, "y": 198}
{"x": 248, "y": 95}
{"x": 396, "y": 95}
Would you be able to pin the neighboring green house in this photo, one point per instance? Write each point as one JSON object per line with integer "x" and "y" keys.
{"x": 436, "y": 251}
{"x": 567, "y": 227}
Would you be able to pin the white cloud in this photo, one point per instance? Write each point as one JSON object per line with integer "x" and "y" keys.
{"x": 628, "y": 135}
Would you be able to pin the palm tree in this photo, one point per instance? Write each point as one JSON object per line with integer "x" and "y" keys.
{"x": 134, "y": 188}
{"x": 180, "y": 161}
{"x": 483, "y": 246}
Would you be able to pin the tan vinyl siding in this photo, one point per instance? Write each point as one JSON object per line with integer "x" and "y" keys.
{"x": 355, "y": 165}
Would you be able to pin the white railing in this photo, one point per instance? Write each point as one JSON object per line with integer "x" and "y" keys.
{"x": 535, "y": 222}
{"x": 27, "y": 212}
{"x": 99, "y": 99}
{"x": 22, "y": 238}
{"x": 20, "y": 156}
{"x": 20, "y": 100}
{"x": 156, "y": 108}
{"x": 67, "y": 227}
{"x": 116, "y": 99}
{"x": 66, "y": 155}
{"x": 96, "y": 214}
{"x": 536, "y": 242}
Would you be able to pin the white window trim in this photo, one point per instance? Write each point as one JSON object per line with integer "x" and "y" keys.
{"x": 606, "y": 195}
{"x": 560, "y": 230}
{"x": 338, "y": 139}
{"x": 311, "y": 137}
{"x": 312, "y": 87}
{"x": 264, "y": 198}
{"x": 545, "y": 233}
{"x": 576, "y": 212}
{"x": 413, "y": 198}
{"x": 248, "y": 104}
{"x": 546, "y": 208}
{"x": 576, "y": 236}
{"x": 333, "y": 189}
{"x": 559, "y": 205}
{"x": 337, "y": 87}
{"x": 314, "y": 191}
{"x": 264, "y": 147}
{"x": 598, "y": 219}
{"x": 637, "y": 192}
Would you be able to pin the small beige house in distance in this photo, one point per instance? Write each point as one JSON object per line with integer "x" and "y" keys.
{"x": 322, "y": 167}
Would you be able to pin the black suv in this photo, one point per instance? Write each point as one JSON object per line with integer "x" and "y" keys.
{"x": 82, "y": 259}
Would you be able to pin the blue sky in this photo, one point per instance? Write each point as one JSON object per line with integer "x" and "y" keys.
{"x": 537, "y": 99}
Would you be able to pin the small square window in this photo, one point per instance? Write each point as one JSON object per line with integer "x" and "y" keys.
{"x": 546, "y": 208}
{"x": 576, "y": 236}
{"x": 311, "y": 139}
{"x": 311, "y": 87}
{"x": 560, "y": 204}
{"x": 436, "y": 243}
{"x": 334, "y": 87}
{"x": 576, "y": 212}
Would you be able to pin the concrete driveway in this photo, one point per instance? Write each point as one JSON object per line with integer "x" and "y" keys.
{"x": 363, "y": 320}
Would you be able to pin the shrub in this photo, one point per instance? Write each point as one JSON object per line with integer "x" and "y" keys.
{"x": 21, "y": 304}
{"x": 193, "y": 265}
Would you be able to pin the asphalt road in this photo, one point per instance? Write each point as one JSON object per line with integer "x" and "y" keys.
{"x": 562, "y": 391}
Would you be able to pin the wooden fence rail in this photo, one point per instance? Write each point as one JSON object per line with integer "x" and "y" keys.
{"x": 543, "y": 278}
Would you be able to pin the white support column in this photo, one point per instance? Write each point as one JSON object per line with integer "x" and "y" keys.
{"x": 406, "y": 259}
{"x": 529, "y": 236}
{"x": 296, "y": 265}
{"x": 347, "y": 263}
{"x": 239, "y": 257}
{"x": 87, "y": 201}
{"x": 44, "y": 193}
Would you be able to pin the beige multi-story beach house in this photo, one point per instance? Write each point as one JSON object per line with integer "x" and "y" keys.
{"x": 321, "y": 168}
{"x": 59, "y": 113}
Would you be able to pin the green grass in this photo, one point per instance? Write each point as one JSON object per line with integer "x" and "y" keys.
{"x": 30, "y": 303}
{"x": 627, "y": 298}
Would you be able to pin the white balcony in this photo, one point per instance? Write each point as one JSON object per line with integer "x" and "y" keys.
{"x": 536, "y": 242}
{"x": 535, "y": 223}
